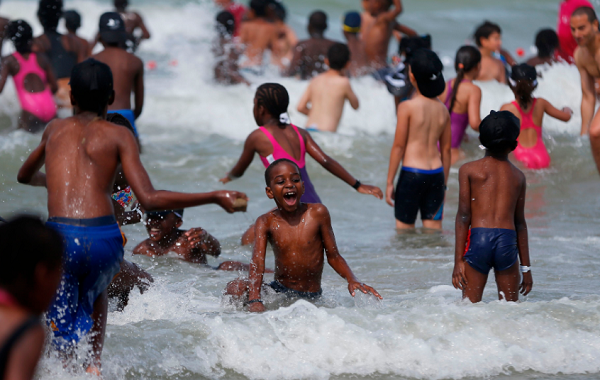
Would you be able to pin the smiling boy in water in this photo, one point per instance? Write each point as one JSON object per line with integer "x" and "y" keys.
{"x": 490, "y": 224}
{"x": 299, "y": 233}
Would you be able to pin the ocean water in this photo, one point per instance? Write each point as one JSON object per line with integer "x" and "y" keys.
{"x": 193, "y": 131}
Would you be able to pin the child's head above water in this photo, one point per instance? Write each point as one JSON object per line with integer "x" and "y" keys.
{"x": 352, "y": 22}
{"x": 92, "y": 86}
{"x": 317, "y": 22}
{"x": 31, "y": 262}
{"x": 338, "y": 56}
{"x": 426, "y": 69}
{"x": 225, "y": 24}
{"x": 21, "y": 35}
{"x": 72, "y": 20}
{"x": 378, "y": 6}
{"x": 488, "y": 36}
{"x": 161, "y": 224}
{"x": 271, "y": 101}
{"x": 499, "y": 131}
{"x": 523, "y": 81}
{"x": 49, "y": 13}
{"x": 546, "y": 42}
{"x": 284, "y": 184}
{"x": 468, "y": 60}
{"x": 259, "y": 7}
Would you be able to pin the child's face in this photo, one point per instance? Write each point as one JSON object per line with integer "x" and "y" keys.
{"x": 286, "y": 187}
{"x": 493, "y": 42}
{"x": 160, "y": 227}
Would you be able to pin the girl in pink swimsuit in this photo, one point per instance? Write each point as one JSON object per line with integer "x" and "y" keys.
{"x": 277, "y": 138}
{"x": 531, "y": 150}
{"x": 32, "y": 75}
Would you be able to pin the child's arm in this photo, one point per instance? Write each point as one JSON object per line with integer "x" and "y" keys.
{"x": 50, "y": 77}
{"x": 4, "y": 73}
{"x": 588, "y": 96}
{"x": 30, "y": 171}
{"x": 257, "y": 265}
{"x": 304, "y": 100}
{"x": 474, "y": 108}
{"x": 351, "y": 96}
{"x": 397, "y": 153}
{"x": 405, "y": 30}
{"x": 336, "y": 260}
{"x": 139, "y": 91}
{"x": 562, "y": 115}
{"x": 245, "y": 160}
{"x": 336, "y": 169}
{"x": 391, "y": 15}
{"x": 462, "y": 225}
{"x": 445, "y": 149}
{"x": 199, "y": 239}
{"x": 523, "y": 240}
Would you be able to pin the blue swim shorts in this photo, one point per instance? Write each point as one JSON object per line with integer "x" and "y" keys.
{"x": 492, "y": 248}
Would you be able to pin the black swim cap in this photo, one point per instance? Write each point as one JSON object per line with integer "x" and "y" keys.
{"x": 91, "y": 85}
{"x": 427, "y": 68}
{"x": 499, "y": 131}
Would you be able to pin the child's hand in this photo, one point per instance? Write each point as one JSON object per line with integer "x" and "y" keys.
{"x": 526, "y": 284}
{"x": 226, "y": 199}
{"x": 225, "y": 179}
{"x": 196, "y": 236}
{"x": 353, "y": 285}
{"x": 257, "y": 307}
{"x": 372, "y": 190}
{"x": 567, "y": 110}
{"x": 459, "y": 280}
{"x": 390, "y": 195}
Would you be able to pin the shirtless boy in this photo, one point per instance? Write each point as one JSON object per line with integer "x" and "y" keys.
{"x": 127, "y": 69}
{"x": 258, "y": 34}
{"x": 488, "y": 39}
{"x": 377, "y": 35}
{"x": 358, "y": 59}
{"x": 192, "y": 245}
{"x": 133, "y": 23}
{"x": 584, "y": 26}
{"x": 328, "y": 92}
{"x": 299, "y": 233}
{"x": 423, "y": 123}
{"x": 73, "y": 23}
{"x": 82, "y": 155}
{"x": 309, "y": 55}
{"x": 490, "y": 224}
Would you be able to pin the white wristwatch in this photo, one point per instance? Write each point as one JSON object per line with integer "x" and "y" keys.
{"x": 525, "y": 269}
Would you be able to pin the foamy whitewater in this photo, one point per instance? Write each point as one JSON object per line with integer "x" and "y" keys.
{"x": 192, "y": 132}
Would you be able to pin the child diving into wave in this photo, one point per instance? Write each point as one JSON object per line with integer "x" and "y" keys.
{"x": 278, "y": 138}
{"x": 463, "y": 98}
{"x": 531, "y": 150}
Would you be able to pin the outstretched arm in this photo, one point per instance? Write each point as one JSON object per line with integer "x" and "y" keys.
{"x": 152, "y": 199}
{"x": 588, "y": 96}
{"x": 245, "y": 160}
{"x": 405, "y": 30}
{"x": 257, "y": 265}
{"x": 462, "y": 225}
{"x": 336, "y": 260}
{"x": 398, "y": 148}
{"x": 30, "y": 171}
{"x": 391, "y": 15}
{"x": 142, "y": 26}
{"x": 474, "y": 108}
{"x": 562, "y": 115}
{"x": 523, "y": 240}
{"x": 335, "y": 168}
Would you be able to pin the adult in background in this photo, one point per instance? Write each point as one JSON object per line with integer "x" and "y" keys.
{"x": 566, "y": 40}
{"x": 309, "y": 55}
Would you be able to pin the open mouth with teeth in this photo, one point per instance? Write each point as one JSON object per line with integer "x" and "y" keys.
{"x": 154, "y": 232}
{"x": 290, "y": 197}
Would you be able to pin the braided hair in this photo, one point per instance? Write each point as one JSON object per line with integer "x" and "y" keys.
{"x": 275, "y": 98}
{"x": 21, "y": 34}
{"x": 467, "y": 58}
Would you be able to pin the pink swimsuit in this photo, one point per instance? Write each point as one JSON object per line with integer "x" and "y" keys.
{"x": 39, "y": 104}
{"x": 537, "y": 156}
{"x": 310, "y": 195}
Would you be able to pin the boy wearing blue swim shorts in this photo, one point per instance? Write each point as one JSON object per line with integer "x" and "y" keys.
{"x": 491, "y": 231}
{"x": 81, "y": 155}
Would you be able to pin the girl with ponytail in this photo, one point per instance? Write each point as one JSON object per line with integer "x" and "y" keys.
{"x": 531, "y": 150}
{"x": 463, "y": 98}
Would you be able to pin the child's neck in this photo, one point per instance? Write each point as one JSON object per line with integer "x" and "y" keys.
{"x": 335, "y": 72}
{"x": 470, "y": 76}
{"x": 290, "y": 216}
{"x": 497, "y": 156}
{"x": 486, "y": 52}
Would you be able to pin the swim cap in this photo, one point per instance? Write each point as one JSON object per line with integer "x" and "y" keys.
{"x": 499, "y": 130}
{"x": 112, "y": 28}
{"x": 352, "y": 22}
{"x": 91, "y": 85}
{"x": 427, "y": 68}
{"x": 523, "y": 72}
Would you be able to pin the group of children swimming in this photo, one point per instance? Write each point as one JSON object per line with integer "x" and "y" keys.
{"x": 93, "y": 169}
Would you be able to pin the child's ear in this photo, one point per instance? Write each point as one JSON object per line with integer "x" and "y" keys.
{"x": 269, "y": 192}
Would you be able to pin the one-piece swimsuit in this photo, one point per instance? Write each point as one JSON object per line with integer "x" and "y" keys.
{"x": 39, "y": 104}
{"x": 310, "y": 195}
{"x": 535, "y": 157}
{"x": 458, "y": 121}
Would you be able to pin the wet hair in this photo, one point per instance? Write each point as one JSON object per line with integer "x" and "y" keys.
{"x": 338, "y": 56}
{"x": 279, "y": 10}
{"x": 485, "y": 30}
{"x": 546, "y": 42}
{"x": 21, "y": 34}
{"x": 589, "y": 12}
{"x": 72, "y": 20}
{"x": 273, "y": 165}
{"x": 523, "y": 82}
{"x": 91, "y": 85}
{"x": 274, "y": 97}
{"x": 225, "y": 24}
{"x": 469, "y": 57}
{"x": 49, "y": 13}
{"x": 26, "y": 243}
{"x": 259, "y": 7}
{"x": 121, "y": 4}
{"x": 318, "y": 21}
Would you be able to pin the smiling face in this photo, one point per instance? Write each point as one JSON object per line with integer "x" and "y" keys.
{"x": 583, "y": 30}
{"x": 286, "y": 186}
{"x": 161, "y": 227}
